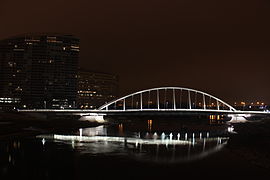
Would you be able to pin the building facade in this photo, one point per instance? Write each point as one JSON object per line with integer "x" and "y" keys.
{"x": 95, "y": 89}
{"x": 39, "y": 71}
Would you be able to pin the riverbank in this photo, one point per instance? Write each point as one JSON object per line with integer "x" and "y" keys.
{"x": 252, "y": 142}
{"x": 13, "y": 124}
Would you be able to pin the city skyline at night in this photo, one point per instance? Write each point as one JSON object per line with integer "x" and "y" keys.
{"x": 218, "y": 47}
{"x": 134, "y": 89}
{"x": 39, "y": 71}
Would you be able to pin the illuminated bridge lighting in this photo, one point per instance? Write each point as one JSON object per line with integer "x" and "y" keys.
{"x": 160, "y": 101}
{"x": 168, "y": 98}
{"x": 170, "y": 148}
{"x": 128, "y": 140}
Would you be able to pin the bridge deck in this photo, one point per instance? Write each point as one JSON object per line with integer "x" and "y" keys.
{"x": 142, "y": 111}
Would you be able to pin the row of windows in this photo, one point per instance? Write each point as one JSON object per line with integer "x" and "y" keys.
{"x": 10, "y": 100}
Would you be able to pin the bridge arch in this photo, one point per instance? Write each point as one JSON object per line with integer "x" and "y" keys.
{"x": 168, "y": 98}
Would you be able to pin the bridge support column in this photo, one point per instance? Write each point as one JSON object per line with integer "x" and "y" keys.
{"x": 204, "y": 105}
{"x": 189, "y": 100}
{"x": 132, "y": 102}
{"x": 180, "y": 99}
{"x": 141, "y": 101}
{"x": 157, "y": 99}
{"x": 174, "y": 105}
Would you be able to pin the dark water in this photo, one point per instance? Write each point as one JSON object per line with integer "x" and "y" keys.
{"x": 145, "y": 149}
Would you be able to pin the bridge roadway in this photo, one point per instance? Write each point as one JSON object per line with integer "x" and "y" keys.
{"x": 151, "y": 112}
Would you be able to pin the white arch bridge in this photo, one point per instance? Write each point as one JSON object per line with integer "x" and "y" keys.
{"x": 168, "y": 99}
{"x": 156, "y": 101}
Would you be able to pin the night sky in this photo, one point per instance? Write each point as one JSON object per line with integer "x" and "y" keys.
{"x": 221, "y": 47}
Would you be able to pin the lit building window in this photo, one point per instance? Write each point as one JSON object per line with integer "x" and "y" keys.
{"x": 18, "y": 88}
{"x": 11, "y": 64}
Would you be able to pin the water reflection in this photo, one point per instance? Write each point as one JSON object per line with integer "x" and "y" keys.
{"x": 122, "y": 147}
{"x": 10, "y": 153}
{"x": 144, "y": 144}
{"x": 95, "y": 131}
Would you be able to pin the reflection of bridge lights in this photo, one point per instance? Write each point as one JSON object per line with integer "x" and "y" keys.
{"x": 43, "y": 141}
{"x": 121, "y": 129}
{"x": 73, "y": 144}
{"x": 129, "y": 140}
{"x": 178, "y": 136}
{"x": 171, "y": 136}
{"x": 163, "y": 136}
{"x": 155, "y": 136}
{"x": 94, "y": 131}
{"x": 149, "y": 124}
{"x": 158, "y": 150}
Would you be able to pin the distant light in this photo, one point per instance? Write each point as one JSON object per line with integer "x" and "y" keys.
{"x": 171, "y": 135}
{"x": 80, "y": 132}
{"x": 43, "y": 141}
{"x": 230, "y": 129}
{"x": 9, "y": 158}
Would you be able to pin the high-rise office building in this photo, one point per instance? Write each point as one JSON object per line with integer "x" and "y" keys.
{"x": 95, "y": 89}
{"x": 39, "y": 71}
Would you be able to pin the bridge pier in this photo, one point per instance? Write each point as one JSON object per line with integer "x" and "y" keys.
{"x": 236, "y": 118}
{"x": 93, "y": 117}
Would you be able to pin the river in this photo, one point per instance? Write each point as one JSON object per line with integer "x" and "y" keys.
{"x": 135, "y": 149}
